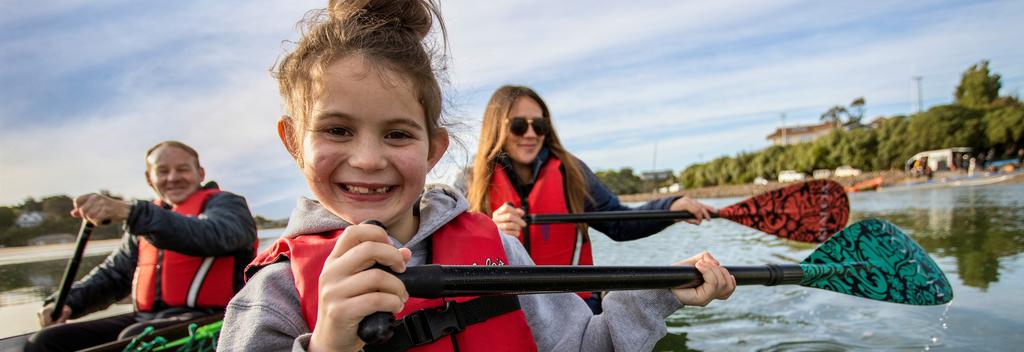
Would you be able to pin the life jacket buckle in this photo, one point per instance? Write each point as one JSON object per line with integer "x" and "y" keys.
{"x": 430, "y": 324}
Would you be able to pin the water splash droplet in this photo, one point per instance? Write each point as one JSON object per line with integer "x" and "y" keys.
{"x": 935, "y": 339}
{"x": 945, "y": 326}
{"x": 927, "y": 348}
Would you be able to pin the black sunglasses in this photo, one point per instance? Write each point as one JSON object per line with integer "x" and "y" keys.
{"x": 519, "y": 125}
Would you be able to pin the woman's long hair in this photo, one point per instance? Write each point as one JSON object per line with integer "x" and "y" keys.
{"x": 493, "y": 134}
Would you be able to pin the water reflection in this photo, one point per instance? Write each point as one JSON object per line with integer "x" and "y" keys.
{"x": 976, "y": 226}
{"x": 27, "y": 282}
{"x": 672, "y": 342}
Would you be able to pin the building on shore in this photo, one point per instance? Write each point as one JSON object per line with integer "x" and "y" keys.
{"x": 656, "y": 176}
{"x": 800, "y": 133}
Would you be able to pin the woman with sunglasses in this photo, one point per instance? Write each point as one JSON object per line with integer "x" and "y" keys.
{"x": 522, "y": 168}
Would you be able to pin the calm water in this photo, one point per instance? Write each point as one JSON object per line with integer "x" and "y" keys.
{"x": 975, "y": 234}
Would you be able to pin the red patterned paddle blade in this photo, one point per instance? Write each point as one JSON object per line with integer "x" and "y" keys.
{"x": 807, "y": 212}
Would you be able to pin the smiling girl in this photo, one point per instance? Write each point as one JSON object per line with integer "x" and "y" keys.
{"x": 364, "y": 126}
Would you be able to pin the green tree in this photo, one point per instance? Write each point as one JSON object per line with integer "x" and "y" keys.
{"x": 893, "y": 148}
{"x": 57, "y": 206}
{"x": 30, "y": 204}
{"x": 1005, "y": 127}
{"x": 978, "y": 88}
{"x": 7, "y": 217}
{"x": 856, "y": 112}
{"x": 946, "y": 126}
{"x": 834, "y": 115}
{"x": 620, "y": 182}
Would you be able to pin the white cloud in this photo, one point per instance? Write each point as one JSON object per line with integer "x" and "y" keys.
{"x": 704, "y": 79}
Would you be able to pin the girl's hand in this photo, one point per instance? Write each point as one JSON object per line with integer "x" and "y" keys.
{"x": 509, "y": 219}
{"x": 718, "y": 283}
{"x": 348, "y": 292}
{"x": 700, "y": 210}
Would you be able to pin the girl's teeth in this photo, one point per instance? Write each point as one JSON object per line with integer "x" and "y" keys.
{"x": 365, "y": 190}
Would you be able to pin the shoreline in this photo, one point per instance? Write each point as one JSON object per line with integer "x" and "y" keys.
{"x": 57, "y": 251}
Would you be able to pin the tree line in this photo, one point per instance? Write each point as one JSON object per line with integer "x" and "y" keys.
{"x": 56, "y": 219}
{"x": 978, "y": 118}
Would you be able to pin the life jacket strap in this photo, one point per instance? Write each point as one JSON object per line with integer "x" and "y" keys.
{"x": 431, "y": 324}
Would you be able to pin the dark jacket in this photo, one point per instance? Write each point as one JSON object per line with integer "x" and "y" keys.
{"x": 225, "y": 227}
{"x": 601, "y": 199}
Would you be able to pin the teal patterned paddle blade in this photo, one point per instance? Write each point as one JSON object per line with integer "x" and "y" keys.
{"x": 874, "y": 259}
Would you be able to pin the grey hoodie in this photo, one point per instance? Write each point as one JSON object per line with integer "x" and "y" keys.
{"x": 266, "y": 314}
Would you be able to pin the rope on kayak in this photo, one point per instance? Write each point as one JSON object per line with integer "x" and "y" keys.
{"x": 138, "y": 344}
{"x": 200, "y": 339}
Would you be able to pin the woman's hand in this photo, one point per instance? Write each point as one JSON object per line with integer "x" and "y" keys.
{"x": 699, "y": 210}
{"x": 348, "y": 292}
{"x": 718, "y": 283}
{"x": 509, "y": 219}
{"x": 45, "y": 315}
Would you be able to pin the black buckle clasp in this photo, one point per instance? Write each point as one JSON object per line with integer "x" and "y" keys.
{"x": 428, "y": 325}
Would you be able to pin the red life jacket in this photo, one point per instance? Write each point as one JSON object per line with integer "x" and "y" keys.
{"x": 469, "y": 239}
{"x": 183, "y": 280}
{"x": 549, "y": 244}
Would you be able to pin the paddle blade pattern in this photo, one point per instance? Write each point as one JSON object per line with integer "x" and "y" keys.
{"x": 874, "y": 259}
{"x": 807, "y": 212}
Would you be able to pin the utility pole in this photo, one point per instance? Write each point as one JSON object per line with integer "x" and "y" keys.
{"x": 654, "y": 170}
{"x": 784, "y": 141}
{"x": 654, "y": 159}
{"x": 920, "y": 104}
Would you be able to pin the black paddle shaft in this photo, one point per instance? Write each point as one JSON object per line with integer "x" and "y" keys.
{"x": 72, "y": 269}
{"x": 606, "y": 216}
{"x": 433, "y": 281}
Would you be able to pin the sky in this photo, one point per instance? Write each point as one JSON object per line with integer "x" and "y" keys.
{"x": 88, "y": 86}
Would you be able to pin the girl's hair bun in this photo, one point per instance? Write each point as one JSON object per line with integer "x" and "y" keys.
{"x": 413, "y": 15}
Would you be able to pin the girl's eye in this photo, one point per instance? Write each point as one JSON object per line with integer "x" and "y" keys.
{"x": 338, "y": 131}
{"x": 398, "y": 135}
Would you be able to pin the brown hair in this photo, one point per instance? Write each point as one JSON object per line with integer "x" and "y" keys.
{"x": 493, "y": 134}
{"x": 175, "y": 144}
{"x": 389, "y": 34}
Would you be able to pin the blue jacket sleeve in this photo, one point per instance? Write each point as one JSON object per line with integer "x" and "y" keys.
{"x": 224, "y": 227}
{"x": 603, "y": 200}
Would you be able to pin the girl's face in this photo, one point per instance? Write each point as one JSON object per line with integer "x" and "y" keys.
{"x": 365, "y": 149}
{"x": 523, "y": 148}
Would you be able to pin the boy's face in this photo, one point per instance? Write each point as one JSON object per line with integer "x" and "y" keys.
{"x": 366, "y": 150}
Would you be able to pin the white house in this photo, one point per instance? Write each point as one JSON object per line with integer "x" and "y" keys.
{"x": 29, "y": 219}
{"x": 800, "y": 134}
